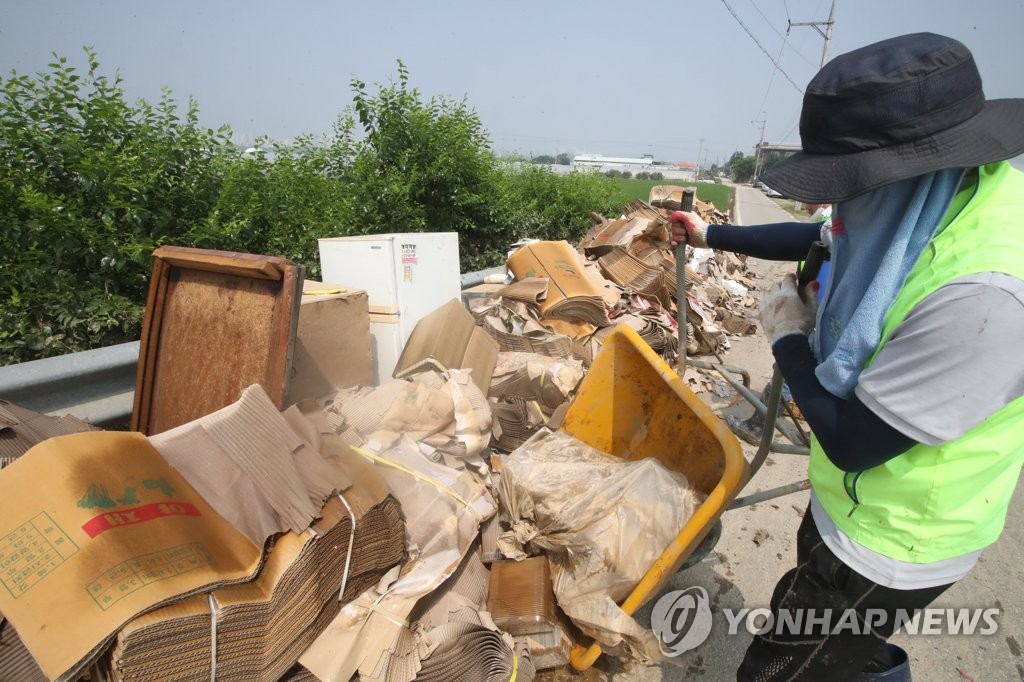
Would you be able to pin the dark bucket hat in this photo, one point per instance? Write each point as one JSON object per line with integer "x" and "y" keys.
{"x": 893, "y": 110}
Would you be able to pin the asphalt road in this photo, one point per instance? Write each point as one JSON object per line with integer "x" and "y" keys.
{"x": 758, "y": 546}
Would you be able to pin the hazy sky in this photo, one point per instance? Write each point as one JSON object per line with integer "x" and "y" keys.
{"x": 680, "y": 79}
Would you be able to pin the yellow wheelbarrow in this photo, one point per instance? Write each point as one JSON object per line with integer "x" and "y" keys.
{"x": 631, "y": 404}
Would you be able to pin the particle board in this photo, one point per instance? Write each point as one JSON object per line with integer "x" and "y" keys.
{"x": 216, "y": 322}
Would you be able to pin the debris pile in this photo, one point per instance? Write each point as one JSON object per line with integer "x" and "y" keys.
{"x": 553, "y": 303}
{"x": 388, "y": 532}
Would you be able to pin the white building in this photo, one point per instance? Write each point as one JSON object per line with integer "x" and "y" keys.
{"x": 645, "y": 164}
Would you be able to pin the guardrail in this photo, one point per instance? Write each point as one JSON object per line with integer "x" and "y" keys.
{"x": 98, "y": 385}
{"x": 95, "y": 385}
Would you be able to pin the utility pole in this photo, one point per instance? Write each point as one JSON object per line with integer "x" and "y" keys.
{"x": 760, "y": 142}
{"x": 826, "y": 34}
{"x": 700, "y": 148}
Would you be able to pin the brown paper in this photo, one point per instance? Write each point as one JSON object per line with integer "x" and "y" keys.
{"x": 572, "y": 294}
{"x": 96, "y": 529}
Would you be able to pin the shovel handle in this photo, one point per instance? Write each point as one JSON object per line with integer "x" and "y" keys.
{"x": 685, "y": 204}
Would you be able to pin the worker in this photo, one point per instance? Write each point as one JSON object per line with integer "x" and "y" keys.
{"x": 908, "y": 372}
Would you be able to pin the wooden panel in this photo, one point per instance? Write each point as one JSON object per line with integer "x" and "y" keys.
{"x": 216, "y": 322}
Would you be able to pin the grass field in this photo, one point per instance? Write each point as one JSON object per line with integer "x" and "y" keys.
{"x": 719, "y": 195}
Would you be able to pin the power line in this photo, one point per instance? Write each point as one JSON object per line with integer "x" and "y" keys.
{"x": 758, "y": 43}
{"x": 768, "y": 22}
{"x": 770, "y": 80}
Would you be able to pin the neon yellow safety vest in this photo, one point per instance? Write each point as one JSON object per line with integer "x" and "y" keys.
{"x": 937, "y": 502}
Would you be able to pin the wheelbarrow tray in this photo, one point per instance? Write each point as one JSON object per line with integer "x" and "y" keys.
{"x": 632, "y": 405}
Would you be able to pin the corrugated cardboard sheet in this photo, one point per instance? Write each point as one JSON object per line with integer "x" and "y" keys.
{"x": 448, "y": 338}
{"x": 572, "y": 295}
{"x": 96, "y": 528}
{"x": 252, "y": 467}
{"x": 444, "y": 509}
{"x": 263, "y": 626}
{"x": 20, "y": 429}
{"x": 332, "y": 343}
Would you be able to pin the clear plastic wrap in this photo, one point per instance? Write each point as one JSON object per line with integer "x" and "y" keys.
{"x": 601, "y": 521}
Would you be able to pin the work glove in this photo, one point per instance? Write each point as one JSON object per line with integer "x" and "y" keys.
{"x": 784, "y": 312}
{"x": 688, "y": 228}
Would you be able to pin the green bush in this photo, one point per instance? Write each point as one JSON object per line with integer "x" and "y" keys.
{"x": 90, "y": 184}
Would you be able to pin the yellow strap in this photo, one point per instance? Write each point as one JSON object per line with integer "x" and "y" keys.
{"x": 324, "y": 292}
{"x": 443, "y": 488}
{"x": 515, "y": 667}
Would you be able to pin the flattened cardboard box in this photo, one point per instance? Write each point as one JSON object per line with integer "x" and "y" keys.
{"x": 449, "y": 338}
{"x": 96, "y": 528}
{"x": 572, "y": 294}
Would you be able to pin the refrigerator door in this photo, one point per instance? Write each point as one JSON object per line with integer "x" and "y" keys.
{"x": 409, "y": 275}
{"x": 366, "y": 263}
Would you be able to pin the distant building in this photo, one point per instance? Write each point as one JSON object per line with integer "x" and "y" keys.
{"x": 683, "y": 170}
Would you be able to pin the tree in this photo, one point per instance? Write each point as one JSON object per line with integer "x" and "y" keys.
{"x": 742, "y": 168}
{"x": 545, "y": 159}
{"x": 89, "y": 185}
{"x": 564, "y": 160}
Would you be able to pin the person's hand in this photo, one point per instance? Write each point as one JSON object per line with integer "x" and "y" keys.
{"x": 784, "y": 312}
{"x": 688, "y": 228}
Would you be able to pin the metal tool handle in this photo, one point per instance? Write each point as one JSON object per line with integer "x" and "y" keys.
{"x": 685, "y": 204}
{"x": 816, "y": 255}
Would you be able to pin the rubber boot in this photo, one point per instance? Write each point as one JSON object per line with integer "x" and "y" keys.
{"x": 891, "y": 664}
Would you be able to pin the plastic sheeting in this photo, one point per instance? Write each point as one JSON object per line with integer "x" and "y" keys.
{"x": 602, "y": 522}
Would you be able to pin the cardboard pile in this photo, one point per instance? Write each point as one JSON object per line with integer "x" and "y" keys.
{"x": 373, "y": 635}
{"x": 257, "y": 630}
{"x": 20, "y": 429}
{"x": 351, "y": 531}
{"x": 117, "y": 532}
{"x": 530, "y": 390}
{"x": 629, "y": 264}
{"x": 571, "y": 294}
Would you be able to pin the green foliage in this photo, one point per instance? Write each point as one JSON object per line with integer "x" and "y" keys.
{"x": 90, "y": 184}
{"x": 418, "y": 165}
{"x": 534, "y": 201}
{"x": 741, "y": 167}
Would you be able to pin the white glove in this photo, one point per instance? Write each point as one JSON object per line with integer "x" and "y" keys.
{"x": 689, "y": 228}
{"x": 784, "y": 312}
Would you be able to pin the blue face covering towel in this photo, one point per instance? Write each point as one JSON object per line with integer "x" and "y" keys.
{"x": 876, "y": 239}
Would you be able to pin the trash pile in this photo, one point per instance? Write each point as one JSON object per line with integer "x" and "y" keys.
{"x": 563, "y": 301}
{"x": 275, "y": 513}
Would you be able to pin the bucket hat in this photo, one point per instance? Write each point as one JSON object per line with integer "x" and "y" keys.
{"x": 893, "y": 110}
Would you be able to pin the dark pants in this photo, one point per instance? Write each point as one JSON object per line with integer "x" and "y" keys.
{"x": 821, "y": 581}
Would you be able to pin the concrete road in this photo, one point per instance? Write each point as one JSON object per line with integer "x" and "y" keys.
{"x": 758, "y": 546}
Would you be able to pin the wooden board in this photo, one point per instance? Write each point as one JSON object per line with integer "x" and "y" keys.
{"x": 216, "y": 322}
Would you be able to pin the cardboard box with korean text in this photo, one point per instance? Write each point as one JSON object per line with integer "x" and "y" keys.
{"x": 96, "y": 528}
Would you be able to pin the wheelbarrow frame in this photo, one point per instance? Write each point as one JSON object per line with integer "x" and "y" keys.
{"x": 592, "y": 418}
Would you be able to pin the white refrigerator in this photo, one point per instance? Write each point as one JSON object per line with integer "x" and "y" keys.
{"x": 406, "y": 277}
